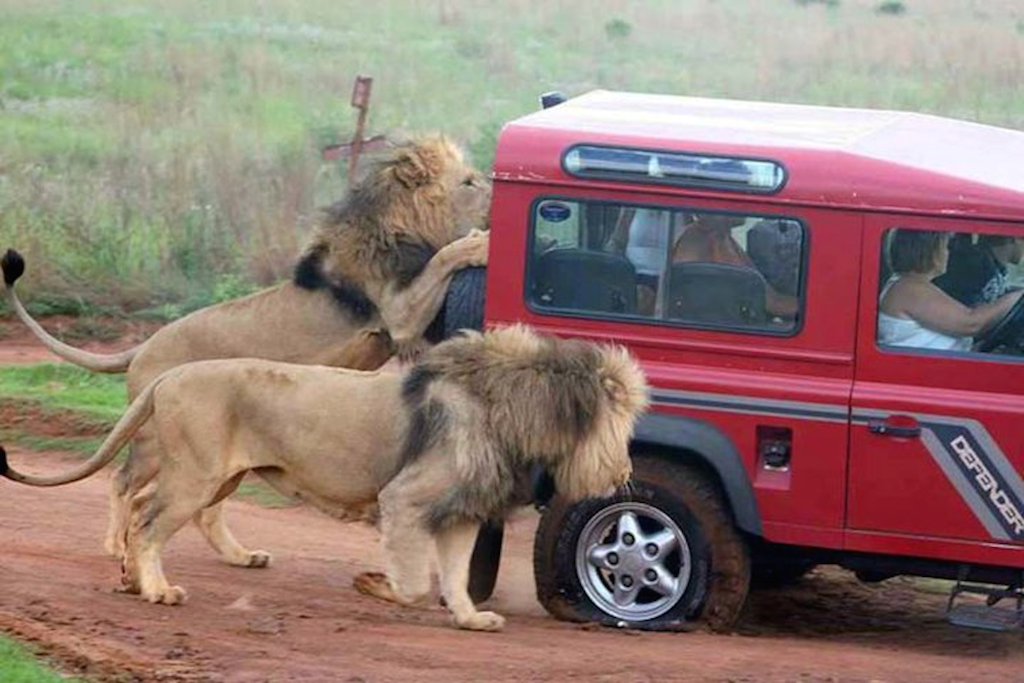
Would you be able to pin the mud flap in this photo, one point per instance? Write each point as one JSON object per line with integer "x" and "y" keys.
{"x": 483, "y": 568}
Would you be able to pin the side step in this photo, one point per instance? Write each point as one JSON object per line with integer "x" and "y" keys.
{"x": 987, "y": 616}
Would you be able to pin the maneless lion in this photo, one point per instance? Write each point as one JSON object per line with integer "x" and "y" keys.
{"x": 382, "y": 257}
{"x": 440, "y": 447}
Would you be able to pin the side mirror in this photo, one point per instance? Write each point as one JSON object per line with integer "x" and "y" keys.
{"x": 550, "y": 99}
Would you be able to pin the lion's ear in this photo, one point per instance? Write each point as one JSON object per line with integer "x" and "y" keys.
{"x": 416, "y": 168}
{"x": 616, "y": 392}
{"x": 623, "y": 381}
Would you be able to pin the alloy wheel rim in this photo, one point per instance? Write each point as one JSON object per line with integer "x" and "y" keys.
{"x": 633, "y": 561}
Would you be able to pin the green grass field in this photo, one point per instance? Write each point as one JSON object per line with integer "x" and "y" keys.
{"x": 58, "y": 407}
{"x": 17, "y": 665}
{"x": 96, "y": 398}
{"x": 160, "y": 156}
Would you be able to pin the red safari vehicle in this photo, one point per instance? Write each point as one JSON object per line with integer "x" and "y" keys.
{"x": 824, "y": 303}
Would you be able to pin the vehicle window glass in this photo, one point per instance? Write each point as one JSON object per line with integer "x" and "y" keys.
{"x": 674, "y": 168}
{"x": 675, "y": 266}
{"x": 951, "y": 292}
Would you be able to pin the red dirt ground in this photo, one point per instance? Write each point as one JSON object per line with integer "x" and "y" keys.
{"x": 301, "y": 620}
{"x": 18, "y": 346}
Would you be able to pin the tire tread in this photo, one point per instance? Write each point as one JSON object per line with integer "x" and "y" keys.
{"x": 729, "y": 579}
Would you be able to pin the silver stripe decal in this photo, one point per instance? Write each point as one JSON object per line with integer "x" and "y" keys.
{"x": 963, "y": 486}
{"x": 977, "y": 430}
{"x": 828, "y": 412}
{"x": 824, "y": 412}
{"x": 992, "y": 454}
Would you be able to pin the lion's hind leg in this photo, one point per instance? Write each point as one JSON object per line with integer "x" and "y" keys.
{"x": 141, "y": 465}
{"x": 454, "y": 551}
{"x": 176, "y": 496}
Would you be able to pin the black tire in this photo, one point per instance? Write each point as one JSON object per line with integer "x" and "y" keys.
{"x": 719, "y": 567}
{"x": 463, "y": 307}
{"x": 464, "y": 303}
{"x": 483, "y": 567}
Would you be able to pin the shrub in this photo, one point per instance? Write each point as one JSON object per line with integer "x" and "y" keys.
{"x": 617, "y": 29}
{"x": 892, "y": 7}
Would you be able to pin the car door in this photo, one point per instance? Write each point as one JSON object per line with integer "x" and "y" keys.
{"x": 937, "y": 436}
{"x": 776, "y": 386}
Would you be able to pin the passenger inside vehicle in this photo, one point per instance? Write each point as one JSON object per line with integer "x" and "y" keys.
{"x": 708, "y": 239}
{"x": 978, "y": 271}
{"x": 666, "y": 264}
{"x": 915, "y": 312}
{"x": 775, "y": 247}
{"x": 642, "y": 235}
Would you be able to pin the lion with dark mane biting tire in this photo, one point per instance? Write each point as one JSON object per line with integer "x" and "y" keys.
{"x": 382, "y": 257}
{"x": 440, "y": 448}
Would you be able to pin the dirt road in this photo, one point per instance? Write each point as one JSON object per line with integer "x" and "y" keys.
{"x": 300, "y": 619}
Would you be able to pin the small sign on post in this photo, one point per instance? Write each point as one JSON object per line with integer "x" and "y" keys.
{"x": 361, "y": 91}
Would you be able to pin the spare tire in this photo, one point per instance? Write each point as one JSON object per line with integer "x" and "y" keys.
{"x": 464, "y": 304}
{"x": 463, "y": 307}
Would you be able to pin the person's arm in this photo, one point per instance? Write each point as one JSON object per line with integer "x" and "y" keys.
{"x": 781, "y": 305}
{"x": 936, "y": 310}
{"x": 619, "y": 239}
{"x": 775, "y": 302}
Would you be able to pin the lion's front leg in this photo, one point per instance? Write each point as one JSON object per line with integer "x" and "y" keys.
{"x": 407, "y": 548}
{"x": 408, "y": 311}
{"x": 454, "y": 551}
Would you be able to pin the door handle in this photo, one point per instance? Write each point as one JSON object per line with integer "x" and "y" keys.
{"x": 902, "y": 426}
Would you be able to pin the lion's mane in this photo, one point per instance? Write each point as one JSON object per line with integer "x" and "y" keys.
{"x": 522, "y": 398}
{"x": 392, "y": 222}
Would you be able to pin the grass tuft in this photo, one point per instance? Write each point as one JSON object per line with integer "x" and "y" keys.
{"x": 18, "y": 665}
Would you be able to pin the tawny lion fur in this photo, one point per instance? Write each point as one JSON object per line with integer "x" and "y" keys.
{"x": 383, "y": 257}
{"x": 440, "y": 447}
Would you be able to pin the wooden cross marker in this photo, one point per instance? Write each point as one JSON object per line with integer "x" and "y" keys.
{"x": 361, "y": 90}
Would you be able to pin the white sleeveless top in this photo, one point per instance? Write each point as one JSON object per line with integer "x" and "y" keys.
{"x": 648, "y": 240}
{"x": 893, "y": 331}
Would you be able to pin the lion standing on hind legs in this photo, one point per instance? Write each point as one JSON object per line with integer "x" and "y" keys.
{"x": 381, "y": 257}
{"x": 442, "y": 446}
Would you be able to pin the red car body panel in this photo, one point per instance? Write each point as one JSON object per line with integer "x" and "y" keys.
{"x": 851, "y": 175}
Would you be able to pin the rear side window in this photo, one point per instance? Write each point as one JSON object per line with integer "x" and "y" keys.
{"x": 670, "y": 266}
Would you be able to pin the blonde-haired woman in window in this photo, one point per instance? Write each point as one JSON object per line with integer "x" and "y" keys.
{"x": 914, "y": 312}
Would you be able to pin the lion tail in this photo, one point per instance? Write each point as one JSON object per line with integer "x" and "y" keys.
{"x": 138, "y": 412}
{"x": 13, "y": 265}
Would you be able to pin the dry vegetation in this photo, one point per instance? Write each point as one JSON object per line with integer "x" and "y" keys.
{"x": 166, "y": 153}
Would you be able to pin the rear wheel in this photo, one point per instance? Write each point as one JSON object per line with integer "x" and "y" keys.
{"x": 666, "y": 555}
{"x": 483, "y": 567}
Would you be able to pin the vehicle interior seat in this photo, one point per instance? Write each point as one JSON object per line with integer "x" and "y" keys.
{"x": 583, "y": 280}
{"x": 716, "y": 293}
